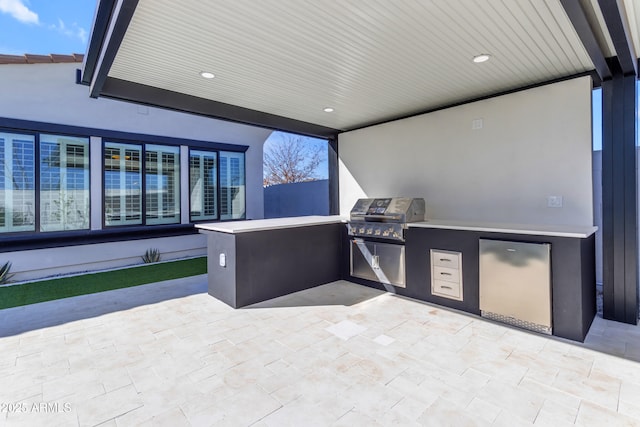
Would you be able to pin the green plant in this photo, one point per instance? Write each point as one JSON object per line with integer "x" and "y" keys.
{"x": 151, "y": 255}
{"x": 4, "y": 273}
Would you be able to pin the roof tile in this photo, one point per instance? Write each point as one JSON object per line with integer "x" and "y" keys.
{"x": 28, "y": 58}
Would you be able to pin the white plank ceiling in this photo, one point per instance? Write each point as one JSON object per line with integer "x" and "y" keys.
{"x": 369, "y": 60}
{"x": 632, "y": 9}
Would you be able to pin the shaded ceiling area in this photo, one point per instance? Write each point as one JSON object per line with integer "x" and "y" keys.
{"x": 281, "y": 63}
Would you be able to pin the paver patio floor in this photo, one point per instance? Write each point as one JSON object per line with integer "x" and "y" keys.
{"x": 339, "y": 354}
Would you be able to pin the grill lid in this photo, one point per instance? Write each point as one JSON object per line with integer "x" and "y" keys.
{"x": 394, "y": 209}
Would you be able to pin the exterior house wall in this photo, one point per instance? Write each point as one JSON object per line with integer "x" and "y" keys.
{"x": 48, "y": 93}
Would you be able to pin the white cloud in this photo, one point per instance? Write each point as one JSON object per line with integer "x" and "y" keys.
{"x": 18, "y": 10}
{"x": 82, "y": 35}
{"x": 74, "y": 31}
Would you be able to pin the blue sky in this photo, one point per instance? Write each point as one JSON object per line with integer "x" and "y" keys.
{"x": 597, "y": 119}
{"x": 45, "y": 26}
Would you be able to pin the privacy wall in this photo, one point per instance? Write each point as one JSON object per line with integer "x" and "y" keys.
{"x": 504, "y": 159}
{"x": 297, "y": 199}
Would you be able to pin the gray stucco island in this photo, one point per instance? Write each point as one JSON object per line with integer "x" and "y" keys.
{"x": 573, "y": 293}
{"x": 256, "y": 260}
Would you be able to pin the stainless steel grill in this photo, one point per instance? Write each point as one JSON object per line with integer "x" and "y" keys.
{"x": 378, "y": 229}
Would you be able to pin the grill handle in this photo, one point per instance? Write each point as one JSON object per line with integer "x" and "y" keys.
{"x": 383, "y": 217}
{"x": 375, "y": 262}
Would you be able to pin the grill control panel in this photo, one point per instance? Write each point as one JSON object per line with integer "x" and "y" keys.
{"x": 382, "y": 230}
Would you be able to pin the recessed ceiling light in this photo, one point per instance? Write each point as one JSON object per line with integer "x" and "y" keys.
{"x": 328, "y": 110}
{"x": 207, "y": 75}
{"x": 481, "y": 58}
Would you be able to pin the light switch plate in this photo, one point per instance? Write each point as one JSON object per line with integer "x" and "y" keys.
{"x": 476, "y": 124}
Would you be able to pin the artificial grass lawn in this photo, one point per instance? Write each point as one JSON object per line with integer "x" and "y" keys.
{"x": 64, "y": 287}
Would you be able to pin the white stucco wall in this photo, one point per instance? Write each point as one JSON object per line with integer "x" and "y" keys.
{"x": 532, "y": 144}
{"x": 48, "y": 93}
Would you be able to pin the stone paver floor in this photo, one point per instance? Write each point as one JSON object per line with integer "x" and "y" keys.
{"x": 340, "y": 354}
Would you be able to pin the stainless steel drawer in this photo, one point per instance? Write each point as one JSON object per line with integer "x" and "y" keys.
{"x": 445, "y": 259}
{"x": 446, "y": 289}
{"x": 448, "y": 274}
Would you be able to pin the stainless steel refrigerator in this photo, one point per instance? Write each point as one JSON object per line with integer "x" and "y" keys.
{"x": 515, "y": 283}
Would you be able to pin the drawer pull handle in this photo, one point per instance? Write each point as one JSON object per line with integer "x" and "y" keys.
{"x": 445, "y": 274}
{"x": 446, "y": 287}
{"x": 445, "y": 259}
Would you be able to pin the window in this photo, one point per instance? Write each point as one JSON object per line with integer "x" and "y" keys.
{"x": 203, "y": 185}
{"x": 45, "y": 182}
{"x": 162, "y": 177}
{"x": 206, "y": 169}
{"x": 232, "y": 185}
{"x": 17, "y": 182}
{"x": 64, "y": 183}
{"x": 123, "y": 199}
{"x": 122, "y": 184}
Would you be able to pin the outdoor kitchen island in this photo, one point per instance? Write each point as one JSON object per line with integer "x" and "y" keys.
{"x": 569, "y": 267}
{"x": 256, "y": 260}
{"x": 552, "y": 293}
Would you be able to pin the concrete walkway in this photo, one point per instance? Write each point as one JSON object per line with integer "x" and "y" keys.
{"x": 340, "y": 354}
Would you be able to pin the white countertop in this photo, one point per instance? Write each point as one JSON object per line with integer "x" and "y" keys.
{"x": 530, "y": 229}
{"x": 233, "y": 227}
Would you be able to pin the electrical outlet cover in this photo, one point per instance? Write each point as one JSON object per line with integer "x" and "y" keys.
{"x": 554, "y": 201}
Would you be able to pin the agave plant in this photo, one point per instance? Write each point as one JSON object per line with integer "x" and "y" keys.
{"x": 5, "y": 276}
{"x": 151, "y": 255}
